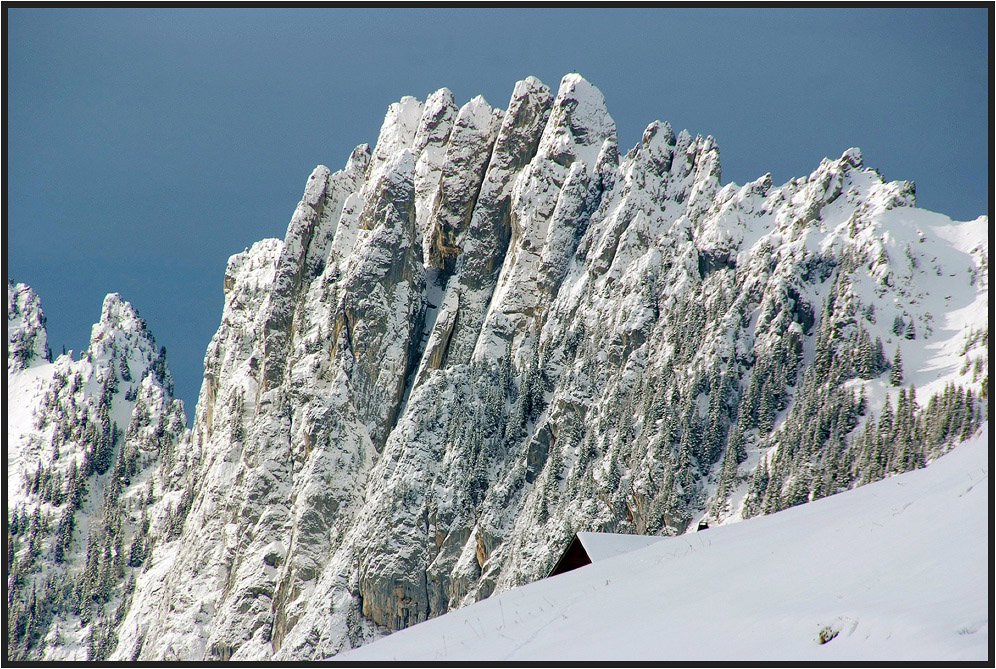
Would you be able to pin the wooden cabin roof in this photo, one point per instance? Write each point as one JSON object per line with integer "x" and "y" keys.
{"x": 588, "y": 547}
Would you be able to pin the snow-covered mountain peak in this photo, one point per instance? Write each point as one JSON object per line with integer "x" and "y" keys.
{"x": 658, "y": 142}
{"x": 434, "y": 126}
{"x": 476, "y": 113}
{"x": 359, "y": 159}
{"x": 578, "y": 125}
{"x": 119, "y": 319}
{"x": 853, "y": 156}
{"x": 118, "y": 314}
{"x": 314, "y": 190}
{"x": 529, "y": 106}
{"x": 397, "y": 132}
{"x": 122, "y": 346}
{"x": 91, "y": 458}
{"x": 27, "y": 339}
{"x": 530, "y": 86}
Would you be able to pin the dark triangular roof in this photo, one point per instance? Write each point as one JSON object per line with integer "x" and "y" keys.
{"x": 588, "y": 547}
{"x": 574, "y": 556}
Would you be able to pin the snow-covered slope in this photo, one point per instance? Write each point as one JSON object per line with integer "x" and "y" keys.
{"x": 896, "y": 570}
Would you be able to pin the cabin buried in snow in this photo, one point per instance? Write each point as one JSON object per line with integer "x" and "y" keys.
{"x": 588, "y": 547}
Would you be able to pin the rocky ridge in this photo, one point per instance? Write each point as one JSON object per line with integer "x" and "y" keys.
{"x": 545, "y": 337}
{"x": 492, "y": 330}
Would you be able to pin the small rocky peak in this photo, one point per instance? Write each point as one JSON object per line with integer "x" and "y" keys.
{"x": 698, "y": 158}
{"x": 119, "y": 325}
{"x": 301, "y": 226}
{"x": 27, "y": 339}
{"x": 398, "y": 130}
{"x": 703, "y": 155}
{"x": 475, "y": 126}
{"x": 121, "y": 340}
{"x": 437, "y": 121}
{"x": 523, "y": 123}
{"x": 529, "y": 94}
{"x": 829, "y": 180}
{"x": 359, "y": 159}
{"x": 477, "y": 113}
{"x": 578, "y": 125}
{"x": 657, "y": 135}
{"x": 608, "y": 155}
{"x": 850, "y": 159}
{"x": 467, "y": 155}
{"x": 657, "y": 146}
{"x": 759, "y": 186}
{"x": 119, "y": 314}
{"x": 707, "y": 164}
{"x": 314, "y": 190}
{"x": 530, "y": 83}
{"x": 684, "y": 153}
{"x": 853, "y": 157}
{"x": 906, "y": 196}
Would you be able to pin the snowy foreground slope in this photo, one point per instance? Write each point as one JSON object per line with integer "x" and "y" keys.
{"x": 895, "y": 570}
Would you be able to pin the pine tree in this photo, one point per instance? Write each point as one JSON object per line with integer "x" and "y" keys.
{"x": 768, "y": 405}
{"x": 14, "y": 525}
{"x": 870, "y": 313}
{"x": 125, "y": 371}
{"x": 865, "y": 363}
{"x": 735, "y": 454}
{"x": 881, "y": 363}
{"x": 910, "y": 332}
{"x": 37, "y": 481}
{"x": 64, "y": 536}
{"x": 136, "y": 554}
{"x": 823, "y": 355}
{"x": 862, "y": 402}
{"x": 76, "y": 489}
{"x": 896, "y": 375}
{"x": 92, "y": 652}
{"x": 747, "y": 413}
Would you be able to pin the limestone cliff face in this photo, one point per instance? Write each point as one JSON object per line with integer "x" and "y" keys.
{"x": 491, "y": 331}
{"x": 491, "y": 228}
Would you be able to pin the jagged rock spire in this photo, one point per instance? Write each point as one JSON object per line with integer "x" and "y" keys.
{"x": 27, "y": 339}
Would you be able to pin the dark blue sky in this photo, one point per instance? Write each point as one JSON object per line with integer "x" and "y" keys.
{"x": 146, "y": 146}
